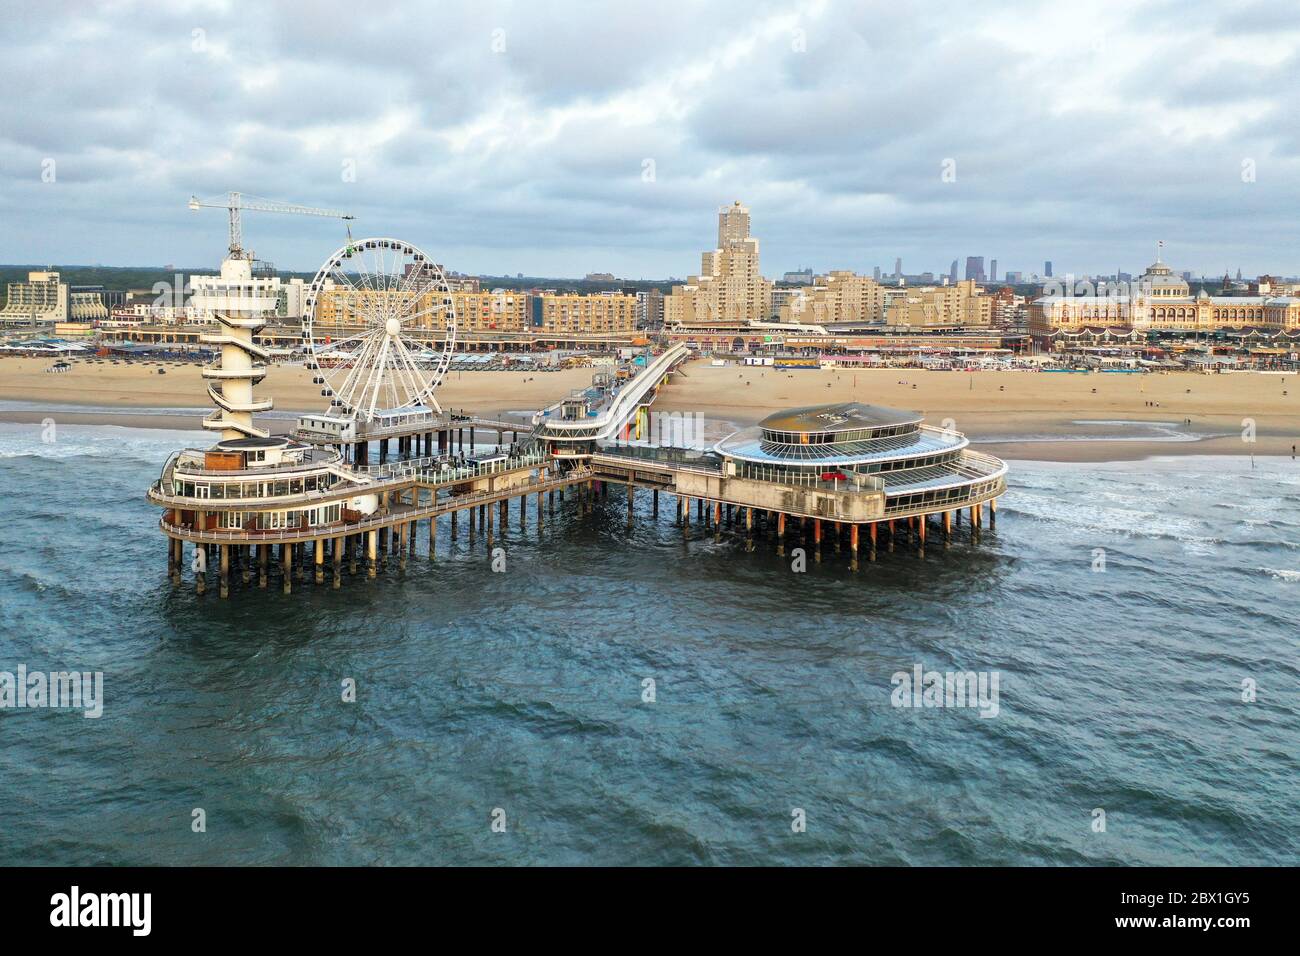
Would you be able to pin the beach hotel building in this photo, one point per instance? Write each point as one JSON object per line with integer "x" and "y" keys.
{"x": 45, "y": 300}
{"x": 1161, "y": 302}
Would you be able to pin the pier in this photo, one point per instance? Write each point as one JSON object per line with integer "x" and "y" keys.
{"x": 353, "y": 490}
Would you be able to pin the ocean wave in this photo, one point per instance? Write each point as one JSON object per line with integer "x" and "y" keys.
{"x": 1118, "y": 521}
{"x": 1282, "y": 574}
{"x": 92, "y": 441}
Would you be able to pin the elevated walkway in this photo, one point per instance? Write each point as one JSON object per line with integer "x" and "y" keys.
{"x": 558, "y": 424}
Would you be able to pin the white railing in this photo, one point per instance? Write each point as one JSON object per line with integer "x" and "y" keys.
{"x": 398, "y": 477}
{"x": 624, "y": 404}
{"x": 401, "y": 514}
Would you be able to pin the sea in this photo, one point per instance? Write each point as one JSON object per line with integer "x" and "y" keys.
{"x": 646, "y": 695}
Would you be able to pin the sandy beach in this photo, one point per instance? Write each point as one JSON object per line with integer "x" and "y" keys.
{"x": 1036, "y": 415}
{"x": 1017, "y": 414}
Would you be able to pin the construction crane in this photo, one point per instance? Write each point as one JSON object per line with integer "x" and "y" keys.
{"x": 236, "y": 203}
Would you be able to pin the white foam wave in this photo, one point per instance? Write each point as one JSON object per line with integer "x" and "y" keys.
{"x": 1282, "y": 574}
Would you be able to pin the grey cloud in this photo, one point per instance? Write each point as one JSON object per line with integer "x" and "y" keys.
{"x": 517, "y": 160}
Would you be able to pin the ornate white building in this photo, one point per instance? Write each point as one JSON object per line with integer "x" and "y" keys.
{"x": 1160, "y": 300}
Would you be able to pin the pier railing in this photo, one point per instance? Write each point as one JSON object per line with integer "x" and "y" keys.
{"x": 396, "y": 515}
{"x": 433, "y": 465}
{"x": 978, "y": 478}
{"x": 396, "y": 475}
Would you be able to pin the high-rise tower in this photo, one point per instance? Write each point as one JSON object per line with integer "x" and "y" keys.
{"x": 729, "y": 289}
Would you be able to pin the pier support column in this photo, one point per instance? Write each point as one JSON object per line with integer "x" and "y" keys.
{"x": 401, "y": 532}
{"x": 487, "y": 525}
{"x": 921, "y": 522}
{"x": 433, "y": 536}
{"x": 338, "y": 563}
{"x": 372, "y": 546}
{"x": 246, "y": 563}
{"x": 319, "y": 576}
{"x": 201, "y": 575}
{"x": 717, "y": 521}
{"x": 631, "y": 501}
{"x": 993, "y": 512}
{"x": 780, "y": 533}
{"x": 871, "y": 535}
{"x": 225, "y": 570}
{"x": 891, "y": 536}
{"x": 453, "y": 526}
{"x": 411, "y": 527}
{"x": 353, "y": 547}
{"x": 853, "y": 547}
{"x": 286, "y": 553}
{"x": 654, "y": 503}
{"x": 540, "y": 516}
{"x": 817, "y": 539}
{"x": 263, "y": 555}
{"x": 947, "y": 524}
{"x": 523, "y": 512}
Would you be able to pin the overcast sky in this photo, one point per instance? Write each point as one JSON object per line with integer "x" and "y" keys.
{"x": 562, "y": 138}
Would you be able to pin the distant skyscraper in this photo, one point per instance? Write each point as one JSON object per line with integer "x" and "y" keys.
{"x": 975, "y": 268}
{"x": 993, "y": 270}
{"x": 1239, "y": 273}
{"x": 1047, "y": 268}
{"x": 952, "y": 273}
{"x": 876, "y": 273}
{"x": 898, "y": 267}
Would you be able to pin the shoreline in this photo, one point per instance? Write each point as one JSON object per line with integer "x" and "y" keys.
{"x": 1083, "y": 447}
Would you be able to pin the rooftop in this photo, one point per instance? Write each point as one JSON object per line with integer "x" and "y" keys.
{"x": 844, "y": 416}
{"x": 249, "y": 444}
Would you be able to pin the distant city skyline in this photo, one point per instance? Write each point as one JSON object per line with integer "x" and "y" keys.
{"x": 534, "y": 143}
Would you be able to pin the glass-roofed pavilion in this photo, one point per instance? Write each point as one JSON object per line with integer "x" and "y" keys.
{"x": 851, "y": 445}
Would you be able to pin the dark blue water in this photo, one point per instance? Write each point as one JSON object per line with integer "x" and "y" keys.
{"x": 1119, "y": 690}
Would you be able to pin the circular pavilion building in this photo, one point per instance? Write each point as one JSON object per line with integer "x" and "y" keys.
{"x": 921, "y": 470}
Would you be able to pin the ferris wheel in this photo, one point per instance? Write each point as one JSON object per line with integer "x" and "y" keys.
{"x": 371, "y": 319}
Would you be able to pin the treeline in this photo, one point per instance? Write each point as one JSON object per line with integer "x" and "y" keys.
{"x": 125, "y": 278}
